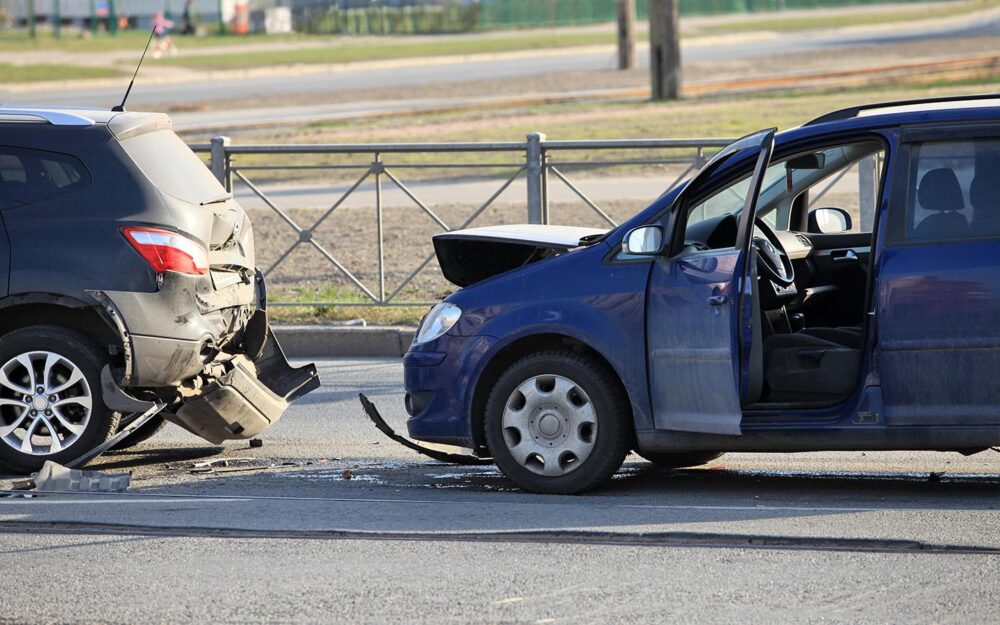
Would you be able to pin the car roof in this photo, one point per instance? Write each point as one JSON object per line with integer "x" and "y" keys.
{"x": 118, "y": 121}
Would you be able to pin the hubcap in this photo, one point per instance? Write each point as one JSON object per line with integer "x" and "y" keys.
{"x": 45, "y": 403}
{"x": 549, "y": 425}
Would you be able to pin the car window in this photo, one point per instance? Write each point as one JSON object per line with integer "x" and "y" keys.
{"x": 954, "y": 190}
{"x": 844, "y": 176}
{"x": 171, "y": 165}
{"x": 732, "y": 198}
{"x": 31, "y": 176}
{"x": 853, "y": 188}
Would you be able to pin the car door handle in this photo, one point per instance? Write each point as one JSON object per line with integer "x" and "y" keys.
{"x": 844, "y": 256}
{"x": 717, "y": 300}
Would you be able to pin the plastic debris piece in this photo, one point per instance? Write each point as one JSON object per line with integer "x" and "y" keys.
{"x": 440, "y": 456}
{"x": 56, "y": 477}
{"x": 346, "y": 475}
{"x": 256, "y": 442}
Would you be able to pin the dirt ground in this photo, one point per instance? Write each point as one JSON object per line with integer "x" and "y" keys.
{"x": 350, "y": 236}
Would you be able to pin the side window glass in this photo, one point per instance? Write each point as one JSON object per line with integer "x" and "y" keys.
{"x": 30, "y": 176}
{"x": 847, "y": 177}
{"x": 732, "y": 198}
{"x": 954, "y": 190}
{"x": 853, "y": 188}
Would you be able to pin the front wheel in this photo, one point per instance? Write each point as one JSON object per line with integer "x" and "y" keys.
{"x": 558, "y": 422}
{"x": 51, "y": 406}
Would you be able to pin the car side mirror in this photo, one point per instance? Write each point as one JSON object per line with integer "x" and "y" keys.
{"x": 829, "y": 220}
{"x": 644, "y": 241}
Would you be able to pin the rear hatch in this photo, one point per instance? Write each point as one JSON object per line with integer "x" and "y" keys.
{"x": 199, "y": 205}
{"x": 470, "y": 256}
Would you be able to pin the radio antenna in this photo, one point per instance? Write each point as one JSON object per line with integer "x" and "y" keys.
{"x": 121, "y": 107}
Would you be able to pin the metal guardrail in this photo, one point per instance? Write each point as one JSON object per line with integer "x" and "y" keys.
{"x": 537, "y": 160}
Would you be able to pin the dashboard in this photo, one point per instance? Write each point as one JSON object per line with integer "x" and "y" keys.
{"x": 720, "y": 232}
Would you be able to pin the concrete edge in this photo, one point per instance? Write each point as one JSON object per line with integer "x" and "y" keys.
{"x": 307, "y": 341}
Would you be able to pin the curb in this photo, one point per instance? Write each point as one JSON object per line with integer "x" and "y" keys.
{"x": 304, "y": 341}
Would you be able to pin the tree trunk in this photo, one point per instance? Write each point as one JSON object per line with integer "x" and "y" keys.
{"x": 626, "y": 34}
{"x": 665, "y": 49}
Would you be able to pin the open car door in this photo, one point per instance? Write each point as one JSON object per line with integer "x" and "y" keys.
{"x": 703, "y": 333}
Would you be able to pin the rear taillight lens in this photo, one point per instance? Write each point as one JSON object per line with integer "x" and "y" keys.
{"x": 168, "y": 251}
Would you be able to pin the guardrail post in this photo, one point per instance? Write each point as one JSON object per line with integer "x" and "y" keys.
{"x": 535, "y": 172}
{"x": 220, "y": 161}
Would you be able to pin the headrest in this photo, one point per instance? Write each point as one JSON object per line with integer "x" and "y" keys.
{"x": 939, "y": 191}
{"x": 985, "y": 191}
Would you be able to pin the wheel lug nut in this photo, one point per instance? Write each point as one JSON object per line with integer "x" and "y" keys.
{"x": 27, "y": 399}
{"x": 40, "y": 390}
{"x": 48, "y": 413}
{"x": 52, "y": 398}
{"x": 34, "y": 413}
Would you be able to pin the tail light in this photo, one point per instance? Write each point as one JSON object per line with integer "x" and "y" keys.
{"x": 168, "y": 251}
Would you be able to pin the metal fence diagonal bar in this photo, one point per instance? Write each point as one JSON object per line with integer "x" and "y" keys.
{"x": 406, "y": 190}
{"x": 468, "y": 221}
{"x": 582, "y": 196}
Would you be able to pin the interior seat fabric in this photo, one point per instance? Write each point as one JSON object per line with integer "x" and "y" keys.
{"x": 940, "y": 192}
{"x": 800, "y": 367}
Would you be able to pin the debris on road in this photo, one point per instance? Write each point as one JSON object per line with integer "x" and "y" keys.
{"x": 440, "y": 456}
{"x": 256, "y": 442}
{"x": 56, "y": 477}
{"x": 346, "y": 475}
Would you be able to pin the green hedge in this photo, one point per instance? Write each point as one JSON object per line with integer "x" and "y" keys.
{"x": 527, "y": 13}
{"x": 500, "y": 14}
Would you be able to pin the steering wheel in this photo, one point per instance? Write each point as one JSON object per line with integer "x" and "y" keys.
{"x": 772, "y": 261}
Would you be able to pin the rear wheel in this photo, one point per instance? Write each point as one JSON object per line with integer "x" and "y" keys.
{"x": 558, "y": 422}
{"x": 50, "y": 397}
{"x": 680, "y": 459}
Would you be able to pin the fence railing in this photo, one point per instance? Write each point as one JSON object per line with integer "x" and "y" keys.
{"x": 540, "y": 162}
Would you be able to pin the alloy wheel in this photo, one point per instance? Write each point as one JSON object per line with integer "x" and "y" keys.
{"x": 45, "y": 403}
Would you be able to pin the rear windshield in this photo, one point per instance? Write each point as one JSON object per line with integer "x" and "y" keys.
{"x": 172, "y": 166}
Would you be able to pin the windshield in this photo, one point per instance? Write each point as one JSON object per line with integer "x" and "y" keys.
{"x": 171, "y": 165}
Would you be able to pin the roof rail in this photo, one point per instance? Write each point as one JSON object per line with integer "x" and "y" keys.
{"x": 56, "y": 118}
{"x": 854, "y": 111}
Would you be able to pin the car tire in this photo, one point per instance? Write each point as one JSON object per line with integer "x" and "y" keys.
{"x": 145, "y": 432}
{"x": 561, "y": 409}
{"x": 679, "y": 459}
{"x": 65, "y": 396}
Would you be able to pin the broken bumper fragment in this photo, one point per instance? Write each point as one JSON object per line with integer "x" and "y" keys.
{"x": 248, "y": 398}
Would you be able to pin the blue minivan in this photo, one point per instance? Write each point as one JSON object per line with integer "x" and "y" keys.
{"x": 832, "y": 287}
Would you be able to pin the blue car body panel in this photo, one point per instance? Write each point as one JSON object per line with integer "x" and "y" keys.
{"x": 930, "y": 309}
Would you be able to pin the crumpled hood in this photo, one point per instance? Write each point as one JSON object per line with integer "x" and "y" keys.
{"x": 470, "y": 256}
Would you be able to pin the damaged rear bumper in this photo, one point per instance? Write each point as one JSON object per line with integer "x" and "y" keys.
{"x": 249, "y": 397}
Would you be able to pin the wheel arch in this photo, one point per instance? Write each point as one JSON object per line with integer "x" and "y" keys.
{"x": 89, "y": 319}
{"x": 514, "y": 351}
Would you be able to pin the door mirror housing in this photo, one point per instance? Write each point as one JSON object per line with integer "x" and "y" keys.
{"x": 829, "y": 220}
{"x": 644, "y": 241}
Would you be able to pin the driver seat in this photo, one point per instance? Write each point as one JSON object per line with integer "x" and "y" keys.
{"x": 805, "y": 368}
{"x": 848, "y": 336}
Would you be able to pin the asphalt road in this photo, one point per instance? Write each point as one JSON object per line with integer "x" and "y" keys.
{"x": 280, "y": 534}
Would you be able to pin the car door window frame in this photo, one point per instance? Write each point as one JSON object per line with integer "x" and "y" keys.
{"x": 780, "y": 155}
{"x": 905, "y": 185}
